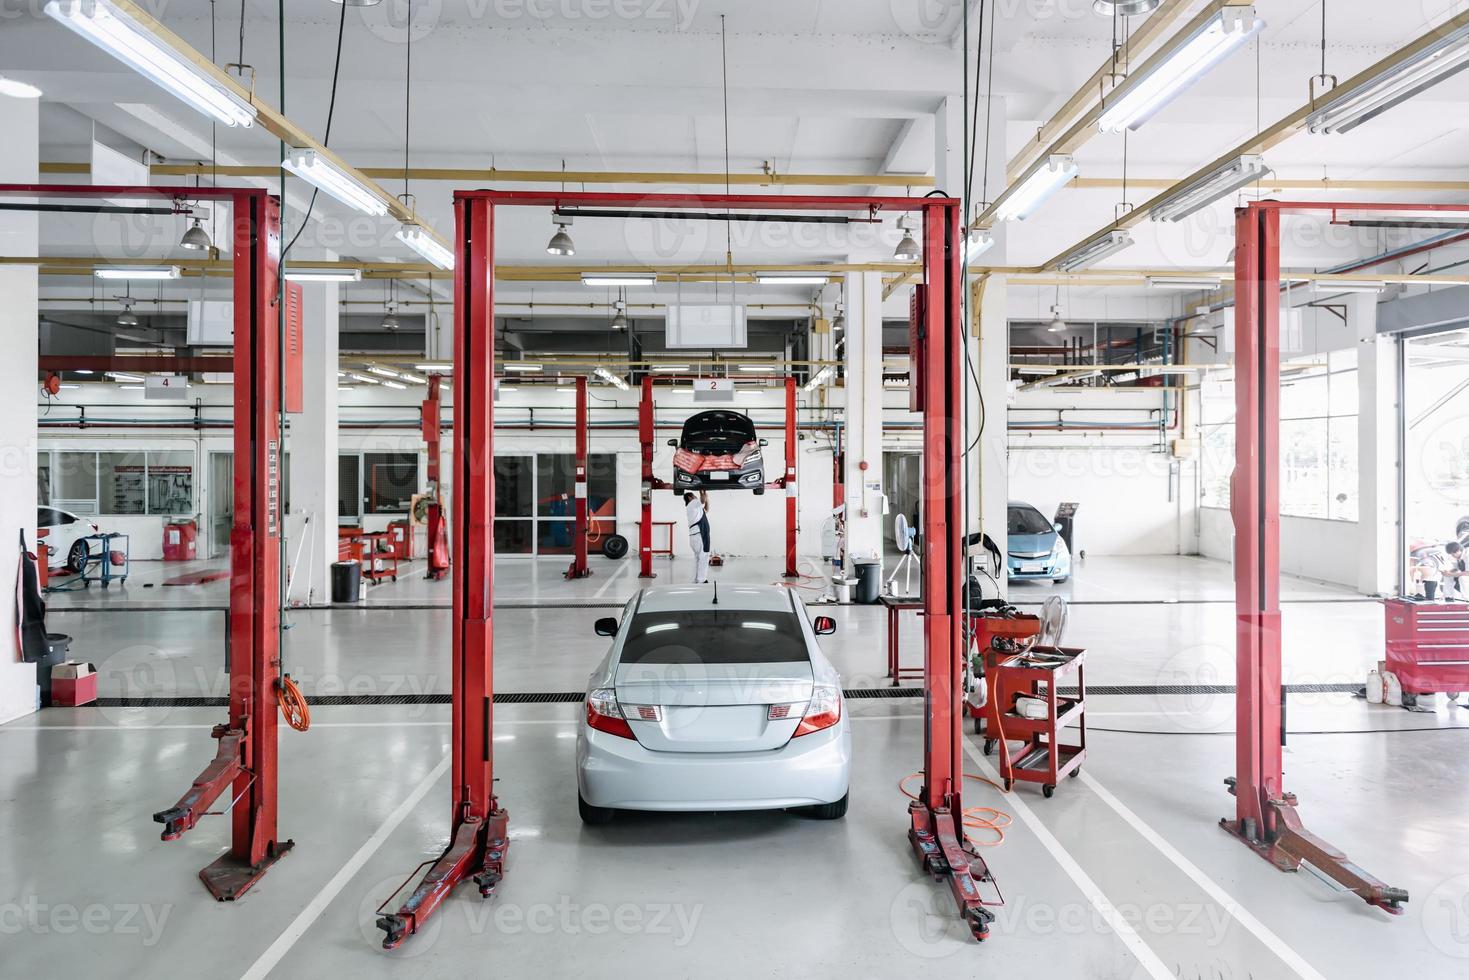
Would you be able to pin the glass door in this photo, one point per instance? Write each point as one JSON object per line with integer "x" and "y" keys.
{"x": 221, "y": 502}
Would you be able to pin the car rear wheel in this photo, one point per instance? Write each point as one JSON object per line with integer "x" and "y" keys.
{"x": 830, "y": 811}
{"x": 598, "y": 815}
{"x": 77, "y": 556}
{"x": 759, "y": 491}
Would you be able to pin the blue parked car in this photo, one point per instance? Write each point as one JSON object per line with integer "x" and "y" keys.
{"x": 1036, "y": 548}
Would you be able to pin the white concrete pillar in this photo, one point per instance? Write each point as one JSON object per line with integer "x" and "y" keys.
{"x": 862, "y": 355}
{"x": 1377, "y": 449}
{"x": 19, "y": 164}
{"x": 313, "y": 449}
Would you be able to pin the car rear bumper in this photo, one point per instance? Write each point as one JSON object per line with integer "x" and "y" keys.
{"x": 620, "y": 773}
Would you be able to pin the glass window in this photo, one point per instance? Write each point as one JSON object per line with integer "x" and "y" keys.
{"x": 555, "y": 485}
{"x": 513, "y": 536}
{"x": 76, "y": 482}
{"x": 349, "y": 494}
{"x": 171, "y": 482}
{"x": 554, "y": 536}
{"x": 389, "y": 482}
{"x": 729, "y": 636}
{"x": 122, "y": 483}
{"x": 514, "y": 486}
{"x": 1318, "y": 437}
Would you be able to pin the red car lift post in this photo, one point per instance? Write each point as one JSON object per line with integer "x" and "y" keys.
{"x": 477, "y": 835}
{"x": 245, "y": 759}
{"x": 578, "y": 568}
{"x": 1266, "y": 819}
{"x": 788, "y": 481}
{"x": 478, "y": 838}
{"x": 438, "y": 534}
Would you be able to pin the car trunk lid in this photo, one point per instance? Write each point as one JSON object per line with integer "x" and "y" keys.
{"x": 712, "y": 707}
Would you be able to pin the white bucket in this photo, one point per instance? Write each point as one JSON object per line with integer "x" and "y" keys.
{"x": 843, "y": 587}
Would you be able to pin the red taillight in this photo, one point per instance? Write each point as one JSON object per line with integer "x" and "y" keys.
{"x": 604, "y": 714}
{"x": 824, "y": 711}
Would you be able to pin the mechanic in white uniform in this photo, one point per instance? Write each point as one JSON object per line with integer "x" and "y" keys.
{"x": 696, "y": 509}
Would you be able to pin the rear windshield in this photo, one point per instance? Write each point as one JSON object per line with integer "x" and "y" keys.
{"x": 1028, "y": 520}
{"x": 714, "y": 636}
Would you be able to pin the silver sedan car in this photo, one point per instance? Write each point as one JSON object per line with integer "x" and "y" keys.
{"x": 714, "y": 698}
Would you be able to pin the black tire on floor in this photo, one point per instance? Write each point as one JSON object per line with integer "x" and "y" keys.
{"x": 77, "y": 556}
{"x": 594, "y": 815}
{"x": 759, "y": 491}
{"x": 614, "y": 547}
{"x": 830, "y": 811}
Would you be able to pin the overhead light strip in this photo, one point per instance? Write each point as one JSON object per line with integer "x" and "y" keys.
{"x": 425, "y": 244}
{"x": 1044, "y": 179}
{"x": 1165, "y": 76}
{"x": 324, "y": 174}
{"x": 1199, "y": 192}
{"x": 113, "y": 29}
{"x": 1095, "y": 250}
{"x": 1343, "y": 110}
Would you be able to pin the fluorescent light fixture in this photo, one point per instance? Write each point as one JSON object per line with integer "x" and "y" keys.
{"x": 1199, "y": 192}
{"x": 1184, "y": 282}
{"x": 757, "y": 367}
{"x": 669, "y": 368}
{"x": 413, "y": 379}
{"x": 137, "y": 46}
{"x": 422, "y": 241}
{"x": 324, "y": 275}
{"x": 344, "y": 388}
{"x": 17, "y": 89}
{"x": 818, "y": 378}
{"x": 322, "y": 173}
{"x": 502, "y": 389}
{"x": 398, "y": 385}
{"x": 791, "y": 279}
{"x": 1045, "y": 178}
{"x": 137, "y": 272}
{"x": 1346, "y": 286}
{"x": 69, "y": 386}
{"x": 978, "y": 242}
{"x": 131, "y": 387}
{"x": 521, "y": 366}
{"x": 1341, "y": 112}
{"x": 435, "y": 368}
{"x": 382, "y": 371}
{"x": 83, "y": 371}
{"x": 365, "y": 379}
{"x": 1095, "y": 250}
{"x": 1163, "y": 78}
{"x": 566, "y": 391}
{"x": 612, "y": 379}
{"x": 120, "y": 376}
{"x": 619, "y": 279}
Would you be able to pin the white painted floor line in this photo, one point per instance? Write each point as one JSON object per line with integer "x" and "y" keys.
{"x": 1144, "y": 954}
{"x": 1262, "y": 932}
{"x": 612, "y": 578}
{"x": 317, "y": 905}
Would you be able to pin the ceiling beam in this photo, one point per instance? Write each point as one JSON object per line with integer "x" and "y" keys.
{"x": 1276, "y": 134}
{"x": 473, "y": 175}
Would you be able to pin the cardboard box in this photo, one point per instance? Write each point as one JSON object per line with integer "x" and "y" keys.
{"x": 73, "y": 684}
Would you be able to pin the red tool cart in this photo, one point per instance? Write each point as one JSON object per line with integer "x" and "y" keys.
{"x": 1428, "y": 645}
{"x": 1037, "y": 674}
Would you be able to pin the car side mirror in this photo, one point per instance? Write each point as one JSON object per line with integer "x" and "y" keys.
{"x": 824, "y": 625}
{"x": 673, "y": 442}
{"x": 764, "y": 442}
{"x": 606, "y": 626}
{"x": 1057, "y": 526}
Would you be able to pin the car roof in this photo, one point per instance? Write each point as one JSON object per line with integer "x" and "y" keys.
{"x": 675, "y": 598}
{"x": 718, "y": 415}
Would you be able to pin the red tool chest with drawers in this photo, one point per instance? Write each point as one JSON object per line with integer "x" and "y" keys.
{"x": 1428, "y": 645}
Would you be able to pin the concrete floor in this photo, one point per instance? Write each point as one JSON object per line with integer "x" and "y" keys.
{"x": 1122, "y": 874}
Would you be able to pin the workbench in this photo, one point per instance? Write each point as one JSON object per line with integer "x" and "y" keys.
{"x": 895, "y": 607}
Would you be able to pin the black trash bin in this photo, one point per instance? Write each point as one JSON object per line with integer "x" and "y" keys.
{"x": 346, "y": 581}
{"x": 869, "y": 582}
{"x": 58, "y": 645}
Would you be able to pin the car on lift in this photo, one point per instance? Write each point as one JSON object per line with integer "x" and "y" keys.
{"x": 64, "y": 533}
{"x": 718, "y": 450}
{"x": 714, "y": 699}
{"x": 1036, "y": 548}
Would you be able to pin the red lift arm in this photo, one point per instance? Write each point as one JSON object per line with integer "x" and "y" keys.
{"x": 579, "y": 567}
{"x": 245, "y": 759}
{"x": 478, "y": 838}
{"x": 1266, "y": 819}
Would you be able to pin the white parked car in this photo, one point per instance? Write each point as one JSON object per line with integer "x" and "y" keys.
{"x": 714, "y": 698}
{"x": 64, "y": 549}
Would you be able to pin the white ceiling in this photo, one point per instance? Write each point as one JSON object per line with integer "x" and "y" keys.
{"x": 814, "y": 86}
